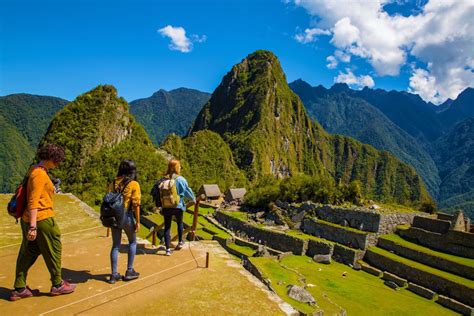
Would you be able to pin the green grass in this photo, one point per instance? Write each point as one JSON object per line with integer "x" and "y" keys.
{"x": 428, "y": 269}
{"x": 299, "y": 234}
{"x": 246, "y": 251}
{"x": 238, "y": 215}
{"x": 342, "y": 227}
{"x": 359, "y": 293}
{"x": 404, "y": 243}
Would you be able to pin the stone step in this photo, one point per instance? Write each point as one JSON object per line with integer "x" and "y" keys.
{"x": 439, "y": 260}
{"x": 349, "y": 237}
{"x": 442, "y": 282}
{"x": 456, "y": 243}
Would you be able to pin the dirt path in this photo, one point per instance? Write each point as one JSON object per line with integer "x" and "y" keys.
{"x": 178, "y": 284}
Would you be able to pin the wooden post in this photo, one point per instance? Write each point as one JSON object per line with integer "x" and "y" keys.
{"x": 195, "y": 219}
{"x": 207, "y": 259}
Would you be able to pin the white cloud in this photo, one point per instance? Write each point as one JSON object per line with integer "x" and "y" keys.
{"x": 345, "y": 34}
{"x": 342, "y": 56}
{"x": 424, "y": 84}
{"x": 310, "y": 35}
{"x": 179, "y": 40}
{"x": 440, "y": 34}
{"x": 357, "y": 82}
{"x": 332, "y": 62}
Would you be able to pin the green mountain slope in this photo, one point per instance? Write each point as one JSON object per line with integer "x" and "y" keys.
{"x": 455, "y": 157}
{"x": 15, "y": 156}
{"x": 24, "y": 119}
{"x": 340, "y": 113}
{"x": 459, "y": 109}
{"x": 30, "y": 114}
{"x": 205, "y": 158}
{"x": 270, "y": 133}
{"x": 97, "y": 132}
{"x": 167, "y": 112}
{"x": 408, "y": 111}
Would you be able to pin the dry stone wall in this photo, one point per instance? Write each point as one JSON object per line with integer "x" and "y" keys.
{"x": 431, "y": 224}
{"x": 430, "y": 260}
{"x": 341, "y": 235}
{"x": 460, "y": 292}
{"x": 272, "y": 239}
{"x": 450, "y": 243}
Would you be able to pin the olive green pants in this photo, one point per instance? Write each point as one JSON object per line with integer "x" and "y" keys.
{"x": 47, "y": 243}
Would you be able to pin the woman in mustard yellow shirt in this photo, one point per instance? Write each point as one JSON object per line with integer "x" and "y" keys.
{"x": 126, "y": 181}
{"x": 41, "y": 235}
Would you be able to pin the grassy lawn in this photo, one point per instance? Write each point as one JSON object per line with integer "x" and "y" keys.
{"x": 239, "y": 215}
{"x": 417, "y": 265}
{"x": 342, "y": 227}
{"x": 402, "y": 242}
{"x": 299, "y": 234}
{"x": 246, "y": 251}
{"x": 68, "y": 214}
{"x": 358, "y": 293}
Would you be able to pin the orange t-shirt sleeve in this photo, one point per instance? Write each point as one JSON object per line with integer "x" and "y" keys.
{"x": 36, "y": 183}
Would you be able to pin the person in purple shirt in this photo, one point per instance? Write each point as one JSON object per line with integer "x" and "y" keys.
{"x": 184, "y": 192}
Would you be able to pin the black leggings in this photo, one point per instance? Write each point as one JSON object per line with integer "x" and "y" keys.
{"x": 168, "y": 214}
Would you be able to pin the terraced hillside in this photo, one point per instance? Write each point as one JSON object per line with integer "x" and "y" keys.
{"x": 336, "y": 289}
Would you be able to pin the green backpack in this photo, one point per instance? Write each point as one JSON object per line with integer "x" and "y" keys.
{"x": 168, "y": 194}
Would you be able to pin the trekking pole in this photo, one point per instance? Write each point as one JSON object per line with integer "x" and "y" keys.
{"x": 108, "y": 231}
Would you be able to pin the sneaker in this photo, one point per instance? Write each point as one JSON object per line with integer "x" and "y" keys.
{"x": 131, "y": 275}
{"x": 114, "y": 278}
{"x": 168, "y": 252}
{"x": 18, "y": 295}
{"x": 65, "y": 288}
{"x": 180, "y": 245}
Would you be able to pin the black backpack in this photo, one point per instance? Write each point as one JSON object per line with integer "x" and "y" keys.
{"x": 155, "y": 192}
{"x": 112, "y": 209}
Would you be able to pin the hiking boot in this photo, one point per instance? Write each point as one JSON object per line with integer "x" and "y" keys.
{"x": 65, "y": 288}
{"x": 180, "y": 245}
{"x": 131, "y": 275}
{"x": 114, "y": 278}
{"x": 25, "y": 293}
{"x": 168, "y": 252}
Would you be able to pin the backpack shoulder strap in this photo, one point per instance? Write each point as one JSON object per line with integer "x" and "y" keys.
{"x": 125, "y": 186}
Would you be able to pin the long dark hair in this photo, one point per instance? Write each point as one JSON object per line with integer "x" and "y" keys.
{"x": 127, "y": 169}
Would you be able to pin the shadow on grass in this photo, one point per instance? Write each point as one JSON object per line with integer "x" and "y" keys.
{"x": 82, "y": 276}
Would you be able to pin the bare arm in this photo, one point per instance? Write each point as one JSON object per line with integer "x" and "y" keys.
{"x": 32, "y": 229}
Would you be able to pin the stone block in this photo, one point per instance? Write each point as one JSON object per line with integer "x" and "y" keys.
{"x": 326, "y": 259}
{"x": 391, "y": 284}
{"x": 371, "y": 270}
{"x": 392, "y": 277}
{"x": 422, "y": 291}
{"x": 455, "y": 305}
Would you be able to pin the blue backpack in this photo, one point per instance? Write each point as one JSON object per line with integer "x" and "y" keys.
{"x": 112, "y": 209}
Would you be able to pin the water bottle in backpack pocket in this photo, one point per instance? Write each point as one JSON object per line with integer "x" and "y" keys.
{"x": 112, "y": 209}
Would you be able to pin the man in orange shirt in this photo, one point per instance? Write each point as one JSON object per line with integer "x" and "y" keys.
{"x": 41, "y": 235}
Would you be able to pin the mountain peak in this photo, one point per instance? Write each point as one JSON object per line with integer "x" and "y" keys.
{"x": 340, "y": 87}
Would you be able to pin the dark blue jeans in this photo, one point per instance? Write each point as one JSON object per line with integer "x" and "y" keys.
{"x": 129, "y": 229}
{"x": 168, "y": 214}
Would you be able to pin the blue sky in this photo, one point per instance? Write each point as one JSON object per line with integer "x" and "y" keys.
{"x": 64, "y": 48}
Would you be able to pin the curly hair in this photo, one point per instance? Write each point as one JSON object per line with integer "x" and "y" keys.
{"x": 51, "y": 152}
